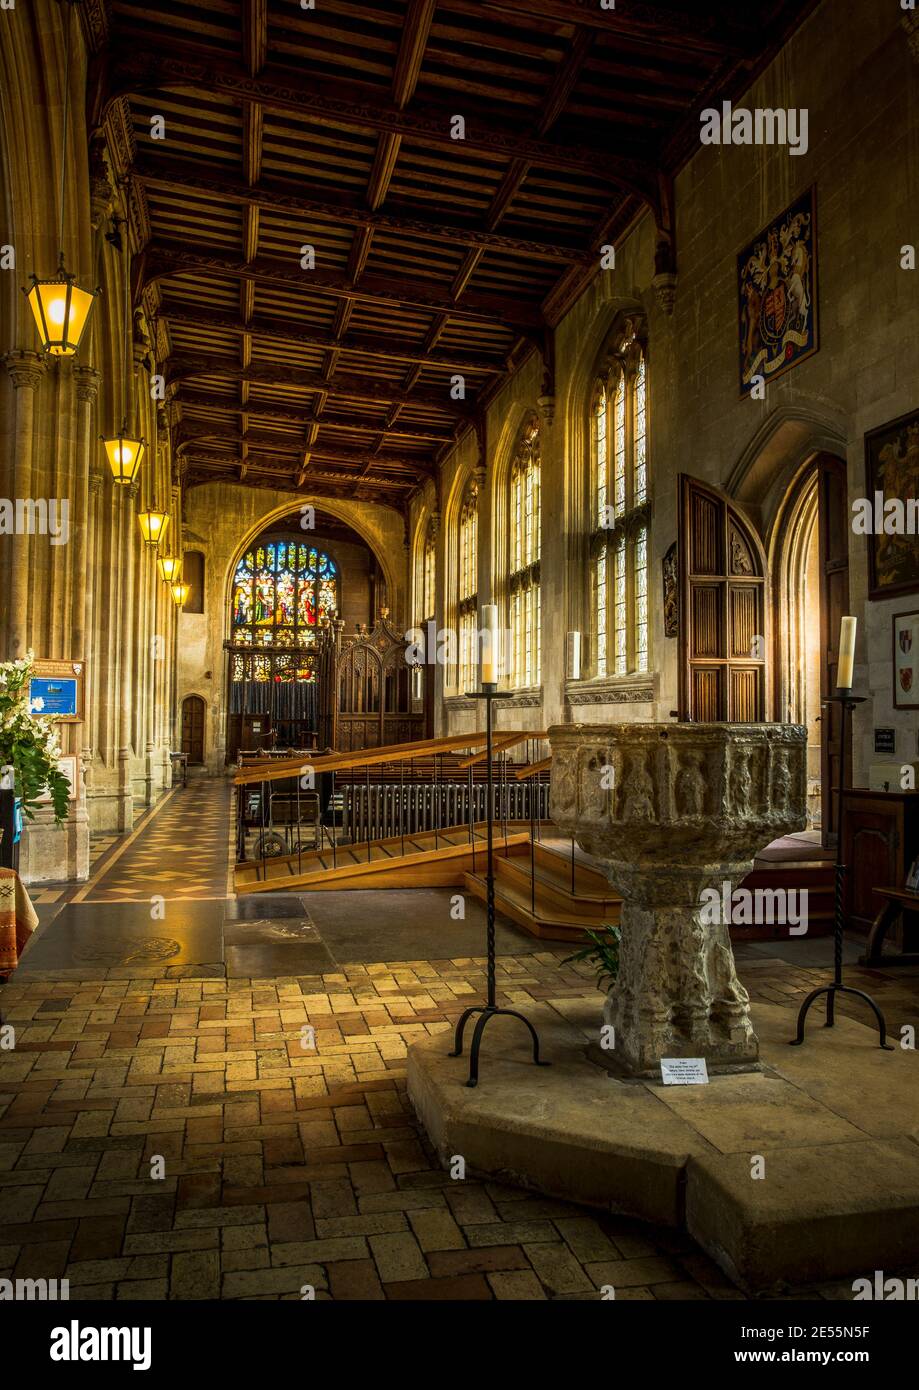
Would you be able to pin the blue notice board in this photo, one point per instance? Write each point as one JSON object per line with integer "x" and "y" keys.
{"x": 58, "y": 695}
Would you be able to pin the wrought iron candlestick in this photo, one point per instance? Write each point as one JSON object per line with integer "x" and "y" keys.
{"x": 488, "y": 1010}
{"x": 847, "y": 703}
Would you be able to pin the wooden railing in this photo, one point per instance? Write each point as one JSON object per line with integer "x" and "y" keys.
{"x": 276, "y": 769}
{"x": 402, "y": 789}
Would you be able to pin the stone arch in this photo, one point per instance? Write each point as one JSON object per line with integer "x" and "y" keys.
{"x": 339, "y": 508}
{"x": 790, "y": 437}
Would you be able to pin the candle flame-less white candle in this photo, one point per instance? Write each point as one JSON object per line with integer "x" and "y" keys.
{"x": 846, "y": 653}
{"x": 490, "y": 645}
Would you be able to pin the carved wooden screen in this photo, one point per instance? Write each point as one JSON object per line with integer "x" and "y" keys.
{"x": 366, "y": 688}
{"x": 723, "y": 610}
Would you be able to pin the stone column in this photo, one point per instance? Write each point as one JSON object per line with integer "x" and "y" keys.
{"x": 26, "y": 370}
{"x": 88, "y": 483}
{"x": 673, "y": 810}
{"x": 126, "y": 660}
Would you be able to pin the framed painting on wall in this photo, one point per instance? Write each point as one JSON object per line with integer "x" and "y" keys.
{"x": 906, "y": 661}
{"x": 892, "y": 476}
{"x": 777, "y": 295}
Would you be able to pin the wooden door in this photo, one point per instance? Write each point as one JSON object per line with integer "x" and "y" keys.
{"x": 833, "y": 526}
{"x": 724, "y": 610}
{"x": 193, "y": 728}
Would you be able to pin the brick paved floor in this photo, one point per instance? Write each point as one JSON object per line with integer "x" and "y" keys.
{"x": 164, "y": 1134}
{"x": 281, "y": 1166}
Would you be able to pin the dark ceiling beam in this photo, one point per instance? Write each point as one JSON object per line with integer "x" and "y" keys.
{"x": 280, "y": 331}
{"x": 186, "y": 435}
{"x": 255, "y": 34}
{"x": 136, "y": 68}
{"x": 159, "y": 260}
{"x": 565, "y": 80}
{"x": 179, "y": 177}
{"x": 711, "y": 26}
{"x": 352, "y": 387}
{"x": 229, "y": 464}
{"x": 416, "y": 29}
{"x": 201, "y": 400}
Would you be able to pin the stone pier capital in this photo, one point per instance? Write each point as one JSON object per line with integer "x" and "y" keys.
{"x": 88, "y": 380}
{"x": 26, "y": 368}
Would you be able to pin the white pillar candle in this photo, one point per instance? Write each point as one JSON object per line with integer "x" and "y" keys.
{"x": 490, "y": 645}
{"x": 846, "y": 653}
{"x": 574, "y": 656}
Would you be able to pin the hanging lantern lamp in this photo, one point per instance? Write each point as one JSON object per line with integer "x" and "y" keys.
{"x": 124, "y": 454}
{"x": 59, "y": 306}
{"x": 153, "y": 525}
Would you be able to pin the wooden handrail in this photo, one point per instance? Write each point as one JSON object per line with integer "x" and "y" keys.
{"x": 531, "y": 769}
{"x": 502, "y": 741}
{"x": 390, "y": 753}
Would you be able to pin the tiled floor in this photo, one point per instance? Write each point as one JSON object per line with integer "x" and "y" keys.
{"x": 181, "y": 850}
{"x": 169, "y": 1132}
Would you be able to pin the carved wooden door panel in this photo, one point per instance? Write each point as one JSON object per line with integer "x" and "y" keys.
{"x": 723, "y": 610}
{"x": 833, "y": 522}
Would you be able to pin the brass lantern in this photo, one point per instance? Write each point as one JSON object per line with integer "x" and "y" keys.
{"x": 170, "y": 568}
{"x": 180, "y": 594}
{"x": 61, "y": 310}
{"x": 153, "y": 525}
{"x": 124, "y": 454}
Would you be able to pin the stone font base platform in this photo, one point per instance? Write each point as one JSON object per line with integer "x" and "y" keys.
{"x": 835, "y": 1123}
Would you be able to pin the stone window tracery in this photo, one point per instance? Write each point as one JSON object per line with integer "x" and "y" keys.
{"x": 467, "y": 589}
{"x": 524, "y": 597}
{"x": 619, "y": 510}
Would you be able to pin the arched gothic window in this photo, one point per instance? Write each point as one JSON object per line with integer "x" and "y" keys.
{"x": 428, "y": 572}
{"x": 525, "y": 545}
{"x": 467, "y": 589}
{"x": 619, "y": 520}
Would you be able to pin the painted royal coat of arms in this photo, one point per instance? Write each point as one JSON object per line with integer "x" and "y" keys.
{"x": 777, "y": 287}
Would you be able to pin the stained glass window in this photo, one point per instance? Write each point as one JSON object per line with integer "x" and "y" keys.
{"x": 467, "y": 587}
{"x": 619, "y": 505}
{"x": 282, "y": 590}
{"x": 525, "y": 548}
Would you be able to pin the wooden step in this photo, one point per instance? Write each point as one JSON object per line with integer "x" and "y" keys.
{"x": 555, "y": 896}
{"x": 546, "y": 923}
{"x": 817, "y": 876}
{"x": 588, "y": 880}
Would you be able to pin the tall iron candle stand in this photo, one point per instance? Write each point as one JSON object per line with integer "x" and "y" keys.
{"x": 488, "y": 1010}
{"x": 847, "y": 702}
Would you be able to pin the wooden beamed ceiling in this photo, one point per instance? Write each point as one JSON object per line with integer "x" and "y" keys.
{"x": 435, "y": 257}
